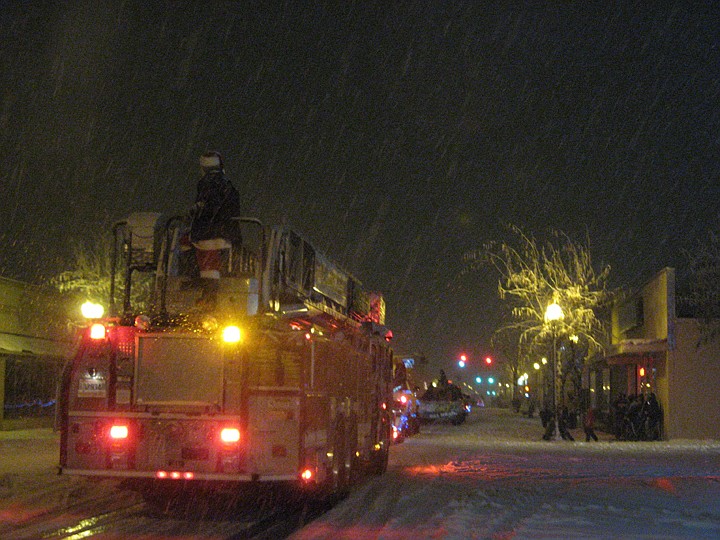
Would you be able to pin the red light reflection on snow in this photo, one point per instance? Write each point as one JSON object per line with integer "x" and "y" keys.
{"x": 471, "y": 469}
{"x": 367, "y": 532}
{"x": 19, "y": 514}
{"x": 424, "y": 470}
{"x": 664, "y": 484}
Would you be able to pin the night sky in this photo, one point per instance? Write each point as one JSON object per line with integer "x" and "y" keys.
{"x": 396, "y": 136}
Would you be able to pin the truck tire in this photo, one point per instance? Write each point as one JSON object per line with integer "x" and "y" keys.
{"x": 379, "y": 461}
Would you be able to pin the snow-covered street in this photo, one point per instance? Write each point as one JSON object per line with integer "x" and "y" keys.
{"x": 491, "y": 477}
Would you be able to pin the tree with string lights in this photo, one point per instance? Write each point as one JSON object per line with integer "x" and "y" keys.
{"x": 534, "y": 274}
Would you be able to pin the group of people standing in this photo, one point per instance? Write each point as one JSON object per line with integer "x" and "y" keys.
{"x": 566, "y": 421}
{"x": 637, "y": 417}
{"x": 634, "y": 418}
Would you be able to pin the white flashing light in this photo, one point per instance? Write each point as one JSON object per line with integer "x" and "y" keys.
{"x": 90, "y": 310}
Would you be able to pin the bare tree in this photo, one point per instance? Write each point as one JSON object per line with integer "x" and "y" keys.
{"x": 89, "y": 275}
{"x": 533, "y": 274}
{"x": 514, "y": 358}
{"x": 702, "y": 298}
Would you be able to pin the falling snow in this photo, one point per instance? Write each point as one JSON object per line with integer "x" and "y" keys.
{"x": 397, "y": 137}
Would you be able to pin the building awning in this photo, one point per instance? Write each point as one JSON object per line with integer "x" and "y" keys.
{"x": 20, "y": 344}
{"x": 631, "y": 351}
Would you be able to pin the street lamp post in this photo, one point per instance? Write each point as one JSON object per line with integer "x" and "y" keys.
{"x": 553, "y": 314}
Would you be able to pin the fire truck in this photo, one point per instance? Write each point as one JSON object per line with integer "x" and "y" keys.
{"x": 286, "y": 377}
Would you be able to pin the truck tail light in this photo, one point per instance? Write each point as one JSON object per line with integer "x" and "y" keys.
{"x": 230, "y": 435}
{"x": 175, "y": 475}
{"x": 118, "y": 432}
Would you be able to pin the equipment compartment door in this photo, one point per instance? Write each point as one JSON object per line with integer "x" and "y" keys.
{"x": 274, "y": 432}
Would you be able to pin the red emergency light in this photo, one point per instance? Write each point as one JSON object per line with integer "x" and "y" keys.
{"x": 97, "y": 331}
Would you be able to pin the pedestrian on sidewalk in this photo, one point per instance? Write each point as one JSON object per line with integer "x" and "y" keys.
{"x": 589, "y": 425}
{"x": 563, "y": 423}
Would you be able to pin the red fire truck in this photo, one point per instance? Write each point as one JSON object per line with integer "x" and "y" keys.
{"x": 286, "y": 378}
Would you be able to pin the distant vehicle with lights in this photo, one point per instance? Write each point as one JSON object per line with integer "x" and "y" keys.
{"x": 405, "y": 419}
{"x": 287, "y": 379}
{"x": 443, "y": 401}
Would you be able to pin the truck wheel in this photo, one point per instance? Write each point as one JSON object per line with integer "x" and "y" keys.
{"x": 379, "y": 461}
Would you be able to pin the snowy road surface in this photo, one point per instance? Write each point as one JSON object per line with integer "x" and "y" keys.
{"x": 491, "y": 477}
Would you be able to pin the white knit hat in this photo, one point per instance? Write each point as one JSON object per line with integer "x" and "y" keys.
{"x": 211, "y": 160}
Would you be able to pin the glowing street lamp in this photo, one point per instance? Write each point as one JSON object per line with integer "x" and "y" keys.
{"x": 554, "y": 314}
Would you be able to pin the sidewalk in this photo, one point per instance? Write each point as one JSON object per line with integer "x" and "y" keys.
{"x": 29, "y": 451}
{"x": 24, "y": 434}
{"x": 577, "y": 433}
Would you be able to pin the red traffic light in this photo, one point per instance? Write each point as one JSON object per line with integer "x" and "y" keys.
{"x": 488, "y": 360}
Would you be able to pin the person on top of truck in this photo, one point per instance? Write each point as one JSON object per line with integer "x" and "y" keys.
{"x": 212, "y": 229}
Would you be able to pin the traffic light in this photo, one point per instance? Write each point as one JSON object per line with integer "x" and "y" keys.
{"x": 488, "y": 361}
{"x": 463, "y": 361}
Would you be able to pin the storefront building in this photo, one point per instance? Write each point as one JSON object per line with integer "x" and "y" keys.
{"x": 32, "y": 354}
{"x": 653, "y": 350}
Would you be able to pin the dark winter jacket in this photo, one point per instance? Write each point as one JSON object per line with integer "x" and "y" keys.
{"x": 217, "y": 201}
